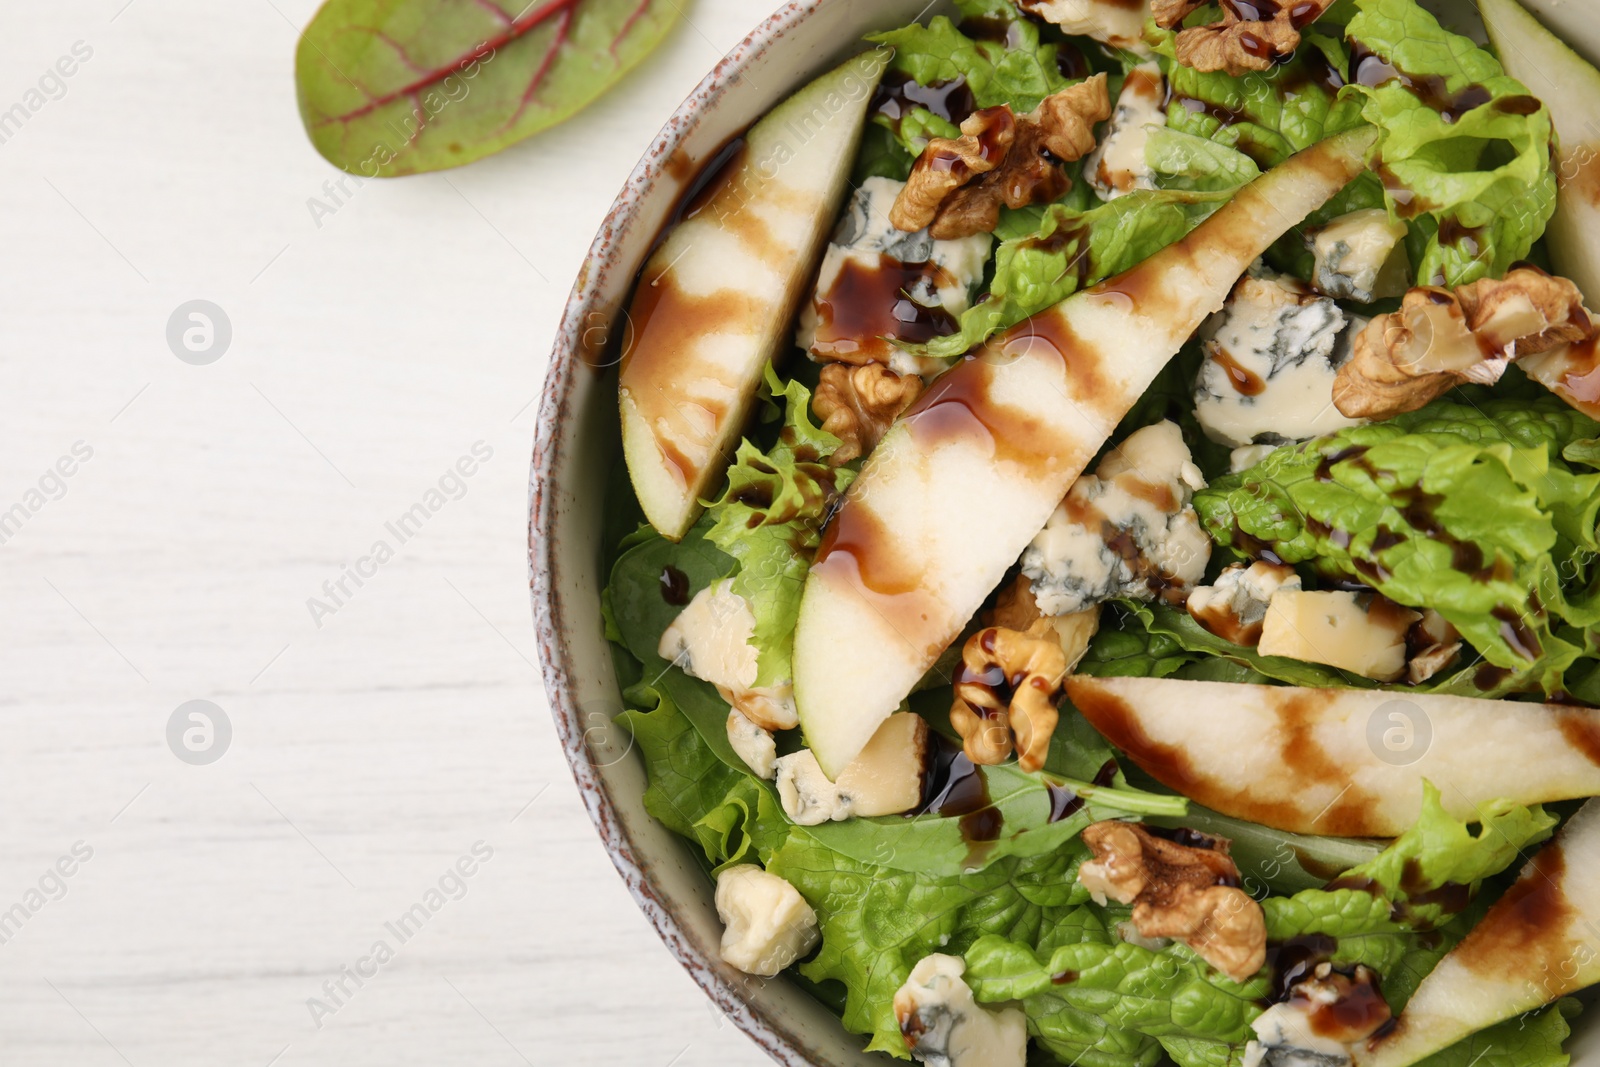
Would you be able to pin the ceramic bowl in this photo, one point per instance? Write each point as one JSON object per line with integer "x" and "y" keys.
{"x": 578, "y": 447}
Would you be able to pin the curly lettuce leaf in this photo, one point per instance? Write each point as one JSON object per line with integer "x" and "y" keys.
{"x": 876, "y": 922}
{"x": 1099, "y": 999}
{"x": 731, "y": 815}
{"x": 769, "y": 519}
{"x": 1467, "y": 509}
{"x": 1440, "y": 852}
{"x": 1425, "y": 877}
{"x": 1459, "y": 153}
{"x": 1020, "y": 71}
{"x": 1269, "y": 116}
{"x": 1072, "y": 249}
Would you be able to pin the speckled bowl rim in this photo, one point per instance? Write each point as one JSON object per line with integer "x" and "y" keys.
{"x": 566, "y": 361}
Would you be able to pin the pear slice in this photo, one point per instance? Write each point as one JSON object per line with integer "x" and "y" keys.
{"x": 1341, "y": 762}
{"x": 715, "y": 302}
{"x": 1540, "y": 941}
{"x": 1570, "y": 88}
{"x": 967, "y": 477}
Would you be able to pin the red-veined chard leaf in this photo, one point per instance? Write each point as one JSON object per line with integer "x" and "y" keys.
{"x": 391, "y": 87}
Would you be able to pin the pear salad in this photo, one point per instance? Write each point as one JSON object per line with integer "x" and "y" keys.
{"x": 1155, "y": 617}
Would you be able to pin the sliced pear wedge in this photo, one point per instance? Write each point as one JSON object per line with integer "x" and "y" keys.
{"x": 1341, "y": 762}
{"x": 971, "y": 473}
{"x": 1570, "y": 88}
{"x": 715, "y": 302}
{"x": 1540, "y": 941}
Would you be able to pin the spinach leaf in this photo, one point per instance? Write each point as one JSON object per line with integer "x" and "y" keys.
{"x": 1032, "y": 815}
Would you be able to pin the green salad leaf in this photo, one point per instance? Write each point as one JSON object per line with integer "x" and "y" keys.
{"x": 1184, "y": 160}
{"x": 877, "y": 922}
{"x": 1426, "y": 876}
{"x": 1466, "y": 509}
{"x": 1072, "y": 249}
{"x": 1465, "y": 148}
{"x": 1027, "y": 815}
{"x": 391, "y": 87}
{"x": 730, "y": 814}
{"x": 1098, "y": 999}
{"x": 1277, "y": 861}
{"x": 1020, "y": 71}
{"x": 1267, "y": 116}
{"x": 769, "y": 519}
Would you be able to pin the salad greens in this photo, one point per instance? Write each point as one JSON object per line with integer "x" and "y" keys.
{"x": 768, "y": 519}
{"x": 393, "y": 87}
{"x": 1020, "y": 71}
{"x": 1070, "y": 249}
{"x": 1470, "y": 510}
{"x": 1460, "y": 154}
{"x": 1023, "y": 921}
{"x": 1482, "y": 506}
{"x": 1460, "y": 157}
{"x": 1420, "y": 881}
{"x": 1266, "y": 117}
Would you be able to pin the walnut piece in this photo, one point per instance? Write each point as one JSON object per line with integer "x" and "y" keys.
{"x": 946, "y": 164}
{"x": 1441, "y": 338}
{"x": 1017, "y": 608}
{"x": 1117, "y": 23}
{"x": 957, "y": 185}
{"x": 1183, "y": 891}
{"x": 1168, "y": 13}
{"x": 857, "y": 404}
{"x": 1432, "y": 644}
{"x": 1008, "y": 686}
{"x": 1242, "y": 41}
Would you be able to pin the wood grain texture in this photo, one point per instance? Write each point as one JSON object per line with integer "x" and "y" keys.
{"x": 376, "y": 339}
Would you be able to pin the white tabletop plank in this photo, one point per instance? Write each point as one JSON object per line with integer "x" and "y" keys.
{"x": 374, "y": 747}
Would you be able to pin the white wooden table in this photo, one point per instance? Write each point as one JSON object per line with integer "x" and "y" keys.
{"x": 373, "y": 745}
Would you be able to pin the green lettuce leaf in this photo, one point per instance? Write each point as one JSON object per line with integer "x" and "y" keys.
{"x": 877, "y": 922}
{"x": 731, "y": 815}
{"x": 1072, "y": 249}
{"x": 1020, "y": 71}
{"x": 1467, "y": 509}
{"x": 1184, "y": 160}
{"x": 1427, "y": 875}
{"x": 1473, "y": 172}
{"x": 1269, "y": 116}
{"x": 768, "y": 521}
{"x": 1094, "y": 998}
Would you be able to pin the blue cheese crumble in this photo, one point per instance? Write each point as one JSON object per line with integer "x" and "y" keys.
{"x": 1128, "y": 530}
{"x": 1272, "y": 355}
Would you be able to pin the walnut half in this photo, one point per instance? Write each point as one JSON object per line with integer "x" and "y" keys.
{"x": 957, "y": 185}
{"x": 1441, "y": 338}
{"x": 1189, "y": 892}
{"x": 1244, "y": 40}
{"x": 1008, "y": 685}
{"x": 858, "y": 404}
